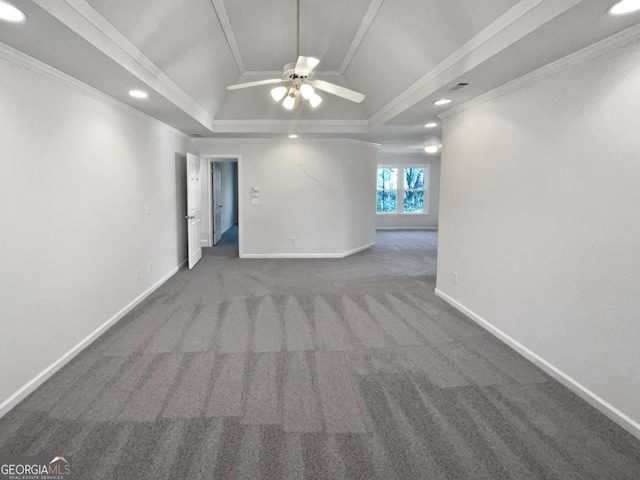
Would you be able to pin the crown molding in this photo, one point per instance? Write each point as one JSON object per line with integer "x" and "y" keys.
{"x": 360, "y": 34}
{"x": 287, "y": 126}
{"x": 262, "y": 73}
{"x": 517, "y": 22}
{"x": 405, "y": 153}
{"x": 598, "y": 49}
{"x": 352, "y": 141}
{"x": 278, "y": 73}
{"x": 223, "y": 18}
{"x": 86, "y": 22}
{"x": 23, "y": 60}
{"x": 416, "y": 155}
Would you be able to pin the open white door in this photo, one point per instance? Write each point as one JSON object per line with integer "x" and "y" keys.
{"x": 217, "y": 203}
{"x": 193, "y": 209}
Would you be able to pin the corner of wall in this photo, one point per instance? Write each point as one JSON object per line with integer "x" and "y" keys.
{"x": 576, "y": 387}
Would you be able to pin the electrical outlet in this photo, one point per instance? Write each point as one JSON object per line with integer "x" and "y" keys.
{"x": 455, "y": 278}
{"x": 138, "y": 273}
{"x": 149, "y": 267}
{"x": 293, "y": 240}
{"x": 147, "y": 209}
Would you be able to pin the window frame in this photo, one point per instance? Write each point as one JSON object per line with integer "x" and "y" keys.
{"x": 400, "y": 187}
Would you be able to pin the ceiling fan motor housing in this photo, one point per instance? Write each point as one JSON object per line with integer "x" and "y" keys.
{"x": 289, "y": 73}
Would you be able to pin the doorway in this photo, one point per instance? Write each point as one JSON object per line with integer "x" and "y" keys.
{"x": 223, "y": 204}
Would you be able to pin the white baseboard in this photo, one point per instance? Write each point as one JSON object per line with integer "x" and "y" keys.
{"x": 48, "y": 372}
{"x": 359, "y": 249}
{"x": 626, "y": 422}
{"x": 430, "y": 229}
{"x": 306, "y": 255}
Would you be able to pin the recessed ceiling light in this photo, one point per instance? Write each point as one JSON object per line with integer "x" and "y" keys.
{"x": 138, "y": 94}
{"x": 10, "y": 13}
{"x": 442, "y": 101}
{"x": 625, "y": 6}
{"x": 431, "y": 149}
{"x": 293, "y": 135}
{"x": 431, "y": 125}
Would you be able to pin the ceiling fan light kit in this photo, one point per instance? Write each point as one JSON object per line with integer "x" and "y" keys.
{"x": 297, "y": 74}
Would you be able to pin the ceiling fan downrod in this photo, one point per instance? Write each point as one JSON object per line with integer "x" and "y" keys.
{"x": 298, "y": 28}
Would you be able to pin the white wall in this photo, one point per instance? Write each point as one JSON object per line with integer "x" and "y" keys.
{"x": 413, "y": 221}
{"x": 540, "y": 218}
{"x": 322, "y": 192}
{"x": 75, "y": 176}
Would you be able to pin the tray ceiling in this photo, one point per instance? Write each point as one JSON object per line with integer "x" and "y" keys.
{"x": 402, "y": 54}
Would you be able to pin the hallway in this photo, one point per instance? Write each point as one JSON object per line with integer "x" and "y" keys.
{"x": 334, "y": 369}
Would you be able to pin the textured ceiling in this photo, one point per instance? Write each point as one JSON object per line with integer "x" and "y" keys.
{"x": 402, "y": 54}
{"x": 183, "y": 39}
{"x": 408, "y": 38}
{"x": 266, "y": 31}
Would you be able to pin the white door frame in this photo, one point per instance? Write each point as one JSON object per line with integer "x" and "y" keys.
{"x": 210, "y": 158}
{"x": 216, "y": 209}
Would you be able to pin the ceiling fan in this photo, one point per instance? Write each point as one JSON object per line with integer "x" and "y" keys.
{"x": 299, "y": 84}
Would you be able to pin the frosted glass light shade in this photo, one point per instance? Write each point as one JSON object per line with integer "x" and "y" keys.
{"x": 289, "y": 102}
{"x": 278, "y": 93}
{"x": 431, "y": 149}
{"x": 315, "y": 100}
{"x": 306, "y": 91}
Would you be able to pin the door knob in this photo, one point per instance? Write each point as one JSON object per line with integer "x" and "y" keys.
{"x": 189, "y": 217}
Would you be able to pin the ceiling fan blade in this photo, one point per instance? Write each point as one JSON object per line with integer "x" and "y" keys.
{"x": 338, "y": 90}
{"x": 305, "y": 65}
{"x": 270, "y": 81}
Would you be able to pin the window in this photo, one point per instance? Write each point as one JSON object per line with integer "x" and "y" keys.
{"x": 387, "y": 190}
{"x": 414, "y": 190}
{"x": 411, "y": 190}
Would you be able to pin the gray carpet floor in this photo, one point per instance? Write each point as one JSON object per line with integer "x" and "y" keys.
{"x": 316, "y": 369}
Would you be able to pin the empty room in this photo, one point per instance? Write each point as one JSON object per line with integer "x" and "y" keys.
{"x": 303, "y": 239}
